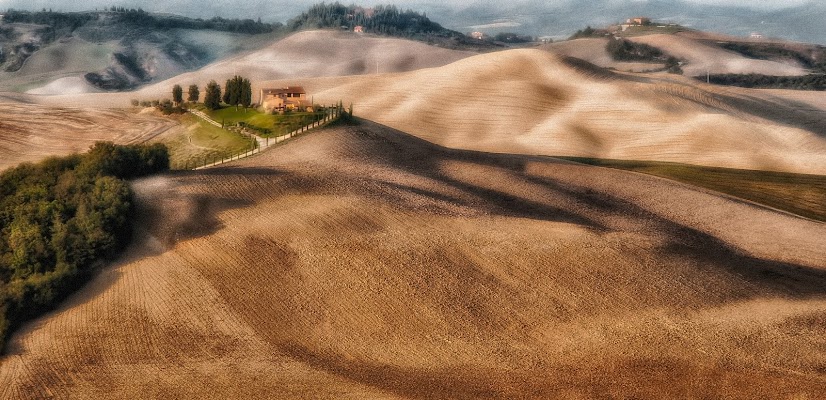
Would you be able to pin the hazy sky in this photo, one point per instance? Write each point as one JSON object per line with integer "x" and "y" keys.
{"x": 555, "y": 18}
{"x": 255, "y": 8}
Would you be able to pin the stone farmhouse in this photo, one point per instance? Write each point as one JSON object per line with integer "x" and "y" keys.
{"x": 282, "y": 99}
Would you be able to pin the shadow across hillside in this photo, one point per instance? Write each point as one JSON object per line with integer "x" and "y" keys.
{"x": 565, "y": 201}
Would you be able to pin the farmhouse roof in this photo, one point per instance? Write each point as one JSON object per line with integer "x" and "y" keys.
{"x": 288, "y": 89}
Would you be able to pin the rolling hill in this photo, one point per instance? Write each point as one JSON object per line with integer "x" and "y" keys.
{"x": 113, "y": 50}
{"x": 319, "y": 53}
{"x": 703, "y": 58}
{"x": 526, "y": 102}
{"x": 362, "y": 262}
{"x": 32, "y": 132}
{"x": 532, "y": 102}
{"x": 693, "y": 48}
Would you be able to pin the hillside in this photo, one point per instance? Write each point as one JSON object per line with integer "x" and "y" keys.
{"x": 114, "y": 50}
{"x": 299, "y": 56}
{"x": 527, "y": 102}
{"x": 531, "y": 102}
{"x": 121, "y": 49}
{"x": 703, "y": 58}
{"x": 31, "y": 133}
{"x": 700, "y": 53}
{"x": 359, "y": 262}
{"x": 593, "y": 51}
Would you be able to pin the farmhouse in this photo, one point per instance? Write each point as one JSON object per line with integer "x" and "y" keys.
{"x": 280, "y": 99}
{"x": 639, "y": 21}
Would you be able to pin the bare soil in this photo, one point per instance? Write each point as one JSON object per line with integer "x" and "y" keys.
{"x": 361, "y": 262}
{"x": 29, "y": 132}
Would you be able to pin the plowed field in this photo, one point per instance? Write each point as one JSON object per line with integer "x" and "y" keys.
{"x": 360, "y": 262}
{"x": 32, "y": 132}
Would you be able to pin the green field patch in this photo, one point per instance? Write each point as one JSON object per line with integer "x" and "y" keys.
{"x": 203, "y": 142}
{"x": 800, "y": 194}
{"x": 266, "y": 124}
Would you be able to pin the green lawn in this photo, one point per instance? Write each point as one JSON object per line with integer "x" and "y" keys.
{"x": 203, "y": 142}
{"x": 268, "y": 125}
{"x": 800, "y": 194}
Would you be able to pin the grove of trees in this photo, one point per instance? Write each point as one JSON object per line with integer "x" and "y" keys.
{"x": 60, "y": 218}
{"x": 385, "y": 20}
{"x": 238, "y": 91}
{"x": 806, "y": 82}
{"x": 626, "y": 50}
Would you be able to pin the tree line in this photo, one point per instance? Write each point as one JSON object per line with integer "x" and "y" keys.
{"x": 385, "y": 20}
{"x": 139, "y": 17}
{"x": 62, "y": 217}
{"x": 237, "y": 92}
{"x": 55, "y": 20}
{"x": 626, "y": 50}
{"x": 757, "y": 81}
{"x": 812, "y": 58}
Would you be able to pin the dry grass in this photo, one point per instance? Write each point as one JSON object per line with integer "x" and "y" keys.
{"x": 360, "y": 262}
{"x": 199, "y": 142}
{"x": 800, "y": 194}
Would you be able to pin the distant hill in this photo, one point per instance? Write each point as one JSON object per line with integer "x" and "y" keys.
{"x": 383, "y": 20}
{"x": 118, "y": 49}
{"x": 794, "y": 20}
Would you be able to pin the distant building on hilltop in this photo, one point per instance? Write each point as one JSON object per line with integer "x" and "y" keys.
{"x": 281, "y": 99}
{"x": 756, "y": 35}
{"x": 638, "y": 21}
{"x": 477, "y": 35}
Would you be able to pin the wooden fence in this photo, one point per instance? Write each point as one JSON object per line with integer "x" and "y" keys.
{"x": 257, "y": 143}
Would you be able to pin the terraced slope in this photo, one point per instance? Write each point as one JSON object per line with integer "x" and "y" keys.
{"x": 361, "y": 262}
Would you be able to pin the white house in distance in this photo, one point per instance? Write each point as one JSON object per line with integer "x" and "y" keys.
{"x": 287, "y": 98}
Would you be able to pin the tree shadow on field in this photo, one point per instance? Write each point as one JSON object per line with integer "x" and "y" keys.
{"x": 635, "y": 377}
{"x": 416, "y": 156}
{"x": 168, "y": 215}
{"x": 564, "y": 201}
{"x": 776, "y": 277}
